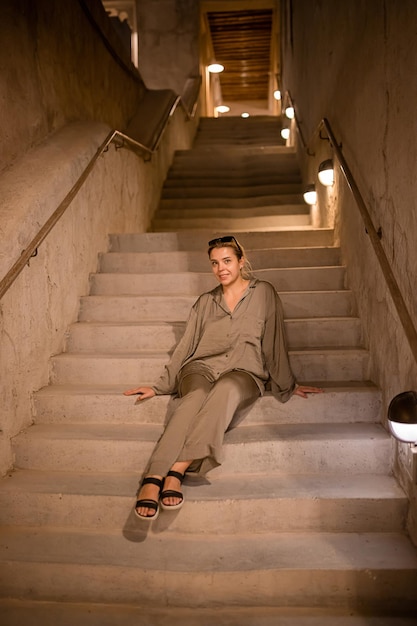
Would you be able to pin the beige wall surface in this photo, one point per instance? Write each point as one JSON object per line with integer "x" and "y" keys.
{"x": 55, "y": 68}
{"x": 356, "y": 64}
{"x": 168, "y": 42}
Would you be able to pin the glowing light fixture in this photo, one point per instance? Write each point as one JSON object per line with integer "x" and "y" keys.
{"x": 290, "y": 113}
{"x": 310, "y": 195}
{"x": 326, "y": 173}
{"x": 215, "y": 68}
{"x": 222, "y": 108}
{"x": 277, "y": 94}
{"x": 402, "y": 417}
{"x": 285, "y": 133}
{"x": 244, "y": 115}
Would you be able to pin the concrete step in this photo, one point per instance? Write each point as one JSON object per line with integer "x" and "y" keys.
{"x": 173, "y": 262}
{"x": 196, "y": 211}
{"x": 284, "y": 203}
{"x": 360, "y": 402}
{"x": 176, "y": 181}
{"x": 32, "y": 613}
{"x": 365, "y": 570}
{"x": 300, "y": 304}
{"x": 231, "y": 224}
{"x": 229, "y": 505}
{"x": 271, "y": 448}
{"x": 244, "y": 191}
{"x": 132, "y": 368}
{"x": 293, "y": 279}
{"x": 112, "y": 338}
{"x": 197, "y": 240}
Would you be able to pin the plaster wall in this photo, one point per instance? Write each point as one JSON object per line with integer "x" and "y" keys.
{"x": 120, "y": 195}
{"x": 55, "y": 68}
{"x": 355, "y": 63}
{"x": 168, "y": 42}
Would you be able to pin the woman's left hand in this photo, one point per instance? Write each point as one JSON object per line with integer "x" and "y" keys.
{"x": 303, "y": 391}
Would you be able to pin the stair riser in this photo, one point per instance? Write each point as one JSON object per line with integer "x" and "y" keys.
{"x": 294, "y": 279}
{"x": 143, "y": 262}
{"x": 82, "y": 369}
{"x": 233, "y": 181}
{"x": 112, "y": 339}
{"x": 293, "y": 200}
{"x": 158, "y": 308}
{"x": 212, "y": 191}
{"x": 195, "y": 211}
{"x": 295, "y": 456}
{"x": 363, "y": 405}
{"x": 367, "y": 589}
{"x": 268, "y": 223}
{"x": 230, "y": 516}
{"x": 172, "y": 242}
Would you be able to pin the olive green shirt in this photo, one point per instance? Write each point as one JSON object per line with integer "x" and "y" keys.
{"x": 251, "y": 339}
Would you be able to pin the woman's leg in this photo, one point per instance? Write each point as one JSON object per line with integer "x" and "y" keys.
{"x": 233, "y": 392}
{"x": 194, "y": 390}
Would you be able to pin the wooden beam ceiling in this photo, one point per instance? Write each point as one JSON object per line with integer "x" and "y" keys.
{"x": 242, "y": 43}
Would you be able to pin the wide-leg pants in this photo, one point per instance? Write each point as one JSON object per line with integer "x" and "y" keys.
{"x": 196, "y": 429}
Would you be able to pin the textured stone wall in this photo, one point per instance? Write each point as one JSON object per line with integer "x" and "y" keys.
{"x": 168, "y": 42}
{"x": 356, "y": 63}
{"x": 55, "y": 68}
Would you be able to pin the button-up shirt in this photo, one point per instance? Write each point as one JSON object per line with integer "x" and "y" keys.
{"x": 250, "y": 339}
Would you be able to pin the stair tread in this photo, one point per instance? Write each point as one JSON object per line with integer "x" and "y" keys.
{"x": 174, "y": 552}
{"x": 244, "y": 486}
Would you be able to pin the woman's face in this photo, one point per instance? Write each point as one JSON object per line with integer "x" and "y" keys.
{"x": 225, "y": 265}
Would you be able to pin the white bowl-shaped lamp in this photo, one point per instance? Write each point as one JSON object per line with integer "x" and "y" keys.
{"x": 402, "y": 417}
{"x": 215, "y": 68}
{"x": 310, "y": 195}
{"x": 290, "y": 113}
{"x": 222, "y": 108}
{"x": 277, "y": 94}
{"x": 285, "y": 133}
{"x": 244, "y": 114}
{"x": 326, "y": 173}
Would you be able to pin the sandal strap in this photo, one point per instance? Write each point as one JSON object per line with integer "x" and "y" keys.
{"x": 170, "y": 493}
{"x": 149, "y": 504}
{"x": 176, "y": 475}
{"x": 151, "y": 480}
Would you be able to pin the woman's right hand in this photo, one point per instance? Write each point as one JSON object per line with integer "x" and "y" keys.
{"x": 142, "y": 392}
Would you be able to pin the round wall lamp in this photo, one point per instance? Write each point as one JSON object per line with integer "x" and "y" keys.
{"x": 326, "y": 173}
{"x": 277, "y": 94}
{"x": 215, "y": 68}
{"x": 245, "y": 114}
{"x": 402, "y": 417}
{"x": 285, "y": 133}
{"x": 310, "y": 195}
{"x": 290, "y": 113}
{"x": 222, "y": 108}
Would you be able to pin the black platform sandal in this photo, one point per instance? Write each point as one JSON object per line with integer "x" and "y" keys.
{"x": 170, "y": 493}
{"x": 150, "y": 504}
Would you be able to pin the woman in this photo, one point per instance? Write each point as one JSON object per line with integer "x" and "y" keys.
{"x": 234, "y": 343}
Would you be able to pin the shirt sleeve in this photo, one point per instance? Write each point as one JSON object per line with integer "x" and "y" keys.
{"x": 275, "y": 350}
{"x": 167, "y": 383}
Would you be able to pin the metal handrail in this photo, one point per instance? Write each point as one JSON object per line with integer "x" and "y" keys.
{"x": 121, "y": 140}
{"x": 374, "y": 234}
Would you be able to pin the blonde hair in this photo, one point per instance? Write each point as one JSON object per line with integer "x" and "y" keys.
{"x": 229, "y": 241}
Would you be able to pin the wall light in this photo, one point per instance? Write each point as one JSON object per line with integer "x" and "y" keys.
{"x": 310, "y": 195}
{"x": 290, "y": 113}
{"x": 326, "y": 173}
{"x": 402, "y": 417}
{"x": 285, "y": 133}
{"x": 277, "y": 94}
{"x": 244, "y": 115}
{"x": 222, "y": 108}
{"x": 215, "y": 68}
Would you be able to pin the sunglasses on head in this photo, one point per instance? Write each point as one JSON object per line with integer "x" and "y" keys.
{"x": 227, "y": 239}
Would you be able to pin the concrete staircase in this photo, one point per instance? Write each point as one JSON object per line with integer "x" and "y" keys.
{"x": 303, "y": 525}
